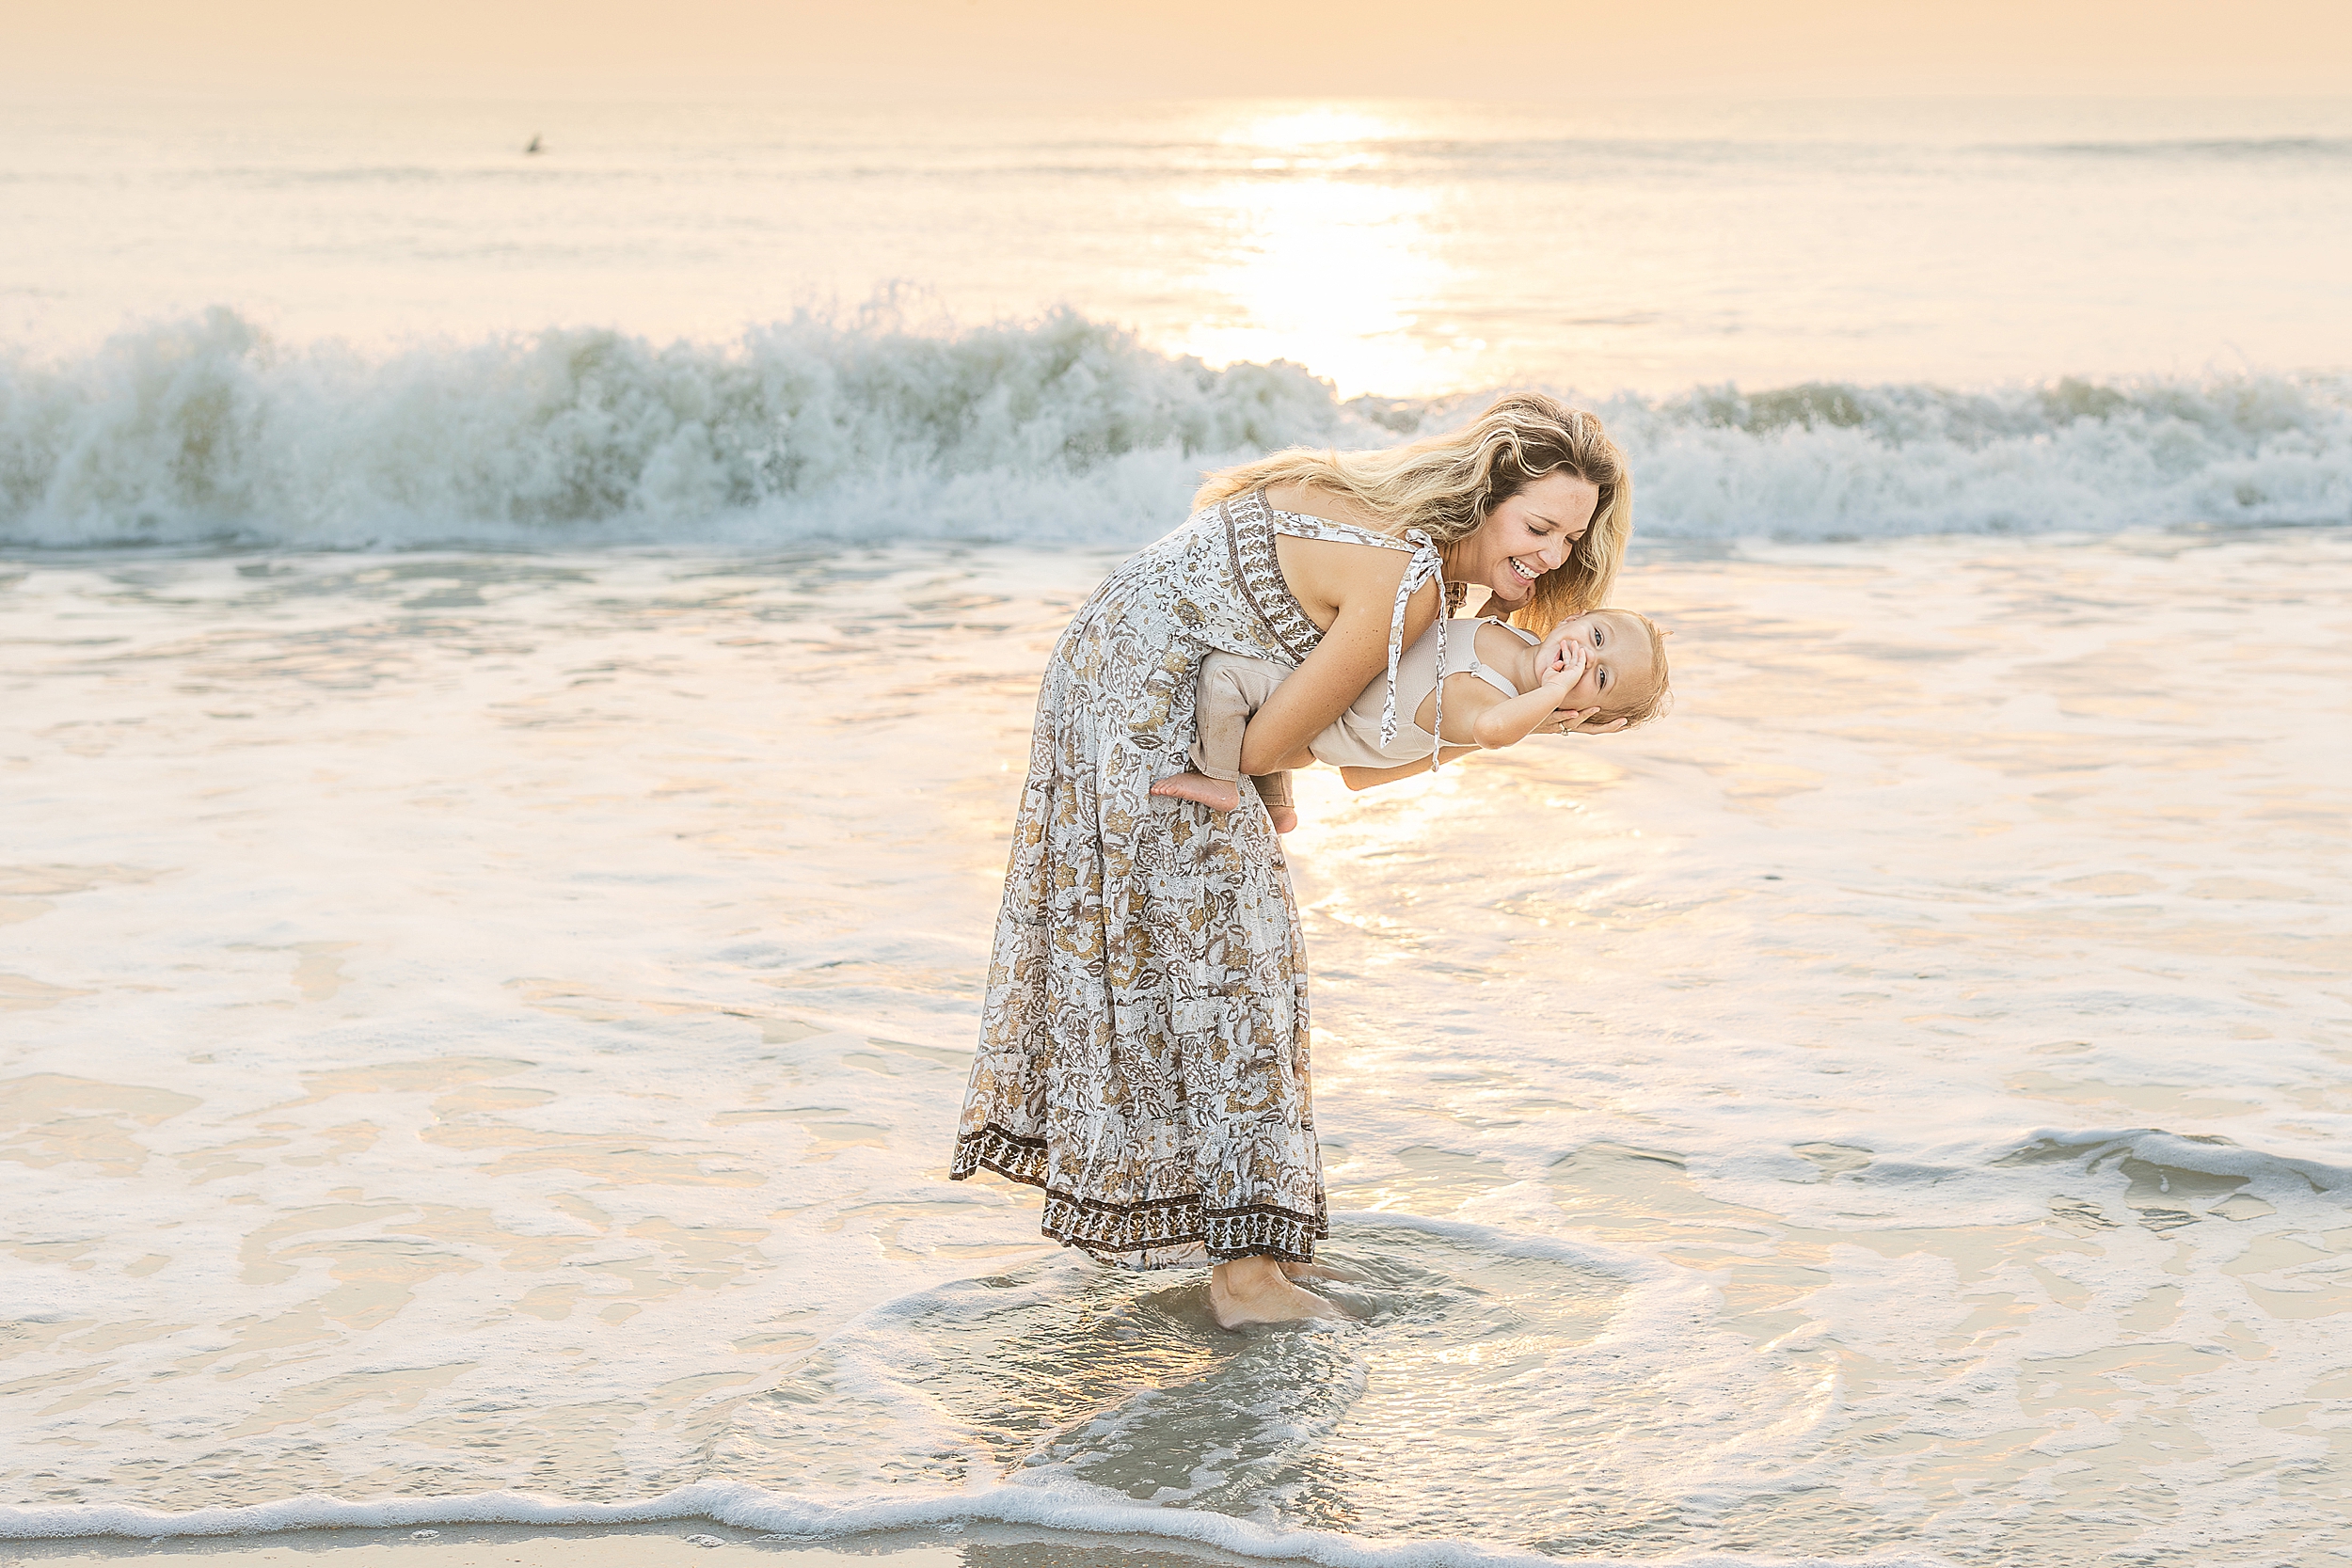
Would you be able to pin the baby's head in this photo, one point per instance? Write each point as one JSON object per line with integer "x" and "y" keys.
{"x": 1626, "y": 676}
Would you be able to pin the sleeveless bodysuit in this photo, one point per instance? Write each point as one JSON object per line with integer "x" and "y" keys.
{"x": 1353, "y": 739}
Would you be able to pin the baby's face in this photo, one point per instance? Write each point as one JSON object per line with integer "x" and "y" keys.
{"x": 1620, "y": 665}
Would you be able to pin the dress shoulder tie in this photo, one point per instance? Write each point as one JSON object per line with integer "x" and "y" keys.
{"x": 1425, "y": 567}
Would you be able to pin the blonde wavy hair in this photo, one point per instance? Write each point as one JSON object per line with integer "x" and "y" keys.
{"x": 1445, "y": 485}
{"x": 1655, "y": 702}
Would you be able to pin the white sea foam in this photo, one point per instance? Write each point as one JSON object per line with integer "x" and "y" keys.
{"x": 1062, "y": 1505}
{"x": 1060, "y": 431}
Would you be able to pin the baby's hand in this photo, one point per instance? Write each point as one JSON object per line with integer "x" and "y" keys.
{"x": 1566, "y": 666}
{"x": 1562, "y": 644}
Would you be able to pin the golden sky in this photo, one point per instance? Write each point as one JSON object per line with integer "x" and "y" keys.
{"x": 1515, "y": 50}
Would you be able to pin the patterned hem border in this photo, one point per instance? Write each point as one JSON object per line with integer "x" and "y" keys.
{"x": 1009, "y": 1154}
{"x": 1254, "y": 1230}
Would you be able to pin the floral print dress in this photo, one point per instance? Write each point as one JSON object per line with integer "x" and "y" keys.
{"x": 1143, "y": 1055}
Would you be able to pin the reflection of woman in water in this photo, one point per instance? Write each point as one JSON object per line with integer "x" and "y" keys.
{"x": 1143, "y": 1056}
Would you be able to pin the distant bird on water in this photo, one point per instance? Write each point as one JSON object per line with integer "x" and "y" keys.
{"x": 534, "y": 143}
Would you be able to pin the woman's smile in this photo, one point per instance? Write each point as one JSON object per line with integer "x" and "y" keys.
{"x": 1525, "y": 535}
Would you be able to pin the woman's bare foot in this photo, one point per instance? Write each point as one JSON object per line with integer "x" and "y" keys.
{"x": 1254, "y": 1290}
{"x": 1285, "y": 819}
{"x": 1216, "y": 793}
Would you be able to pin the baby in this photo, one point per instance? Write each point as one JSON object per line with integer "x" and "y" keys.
{"x": 1500, "y": 683}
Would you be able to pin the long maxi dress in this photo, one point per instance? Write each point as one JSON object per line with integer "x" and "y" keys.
{"x": 1143, "y": 1055}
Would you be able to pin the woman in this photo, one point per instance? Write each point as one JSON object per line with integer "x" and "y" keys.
{"x": 1144, "y": 1055}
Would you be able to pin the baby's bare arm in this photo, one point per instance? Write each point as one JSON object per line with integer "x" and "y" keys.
{"x": 1373, "y": 778}
{"x": 1477, "y": 713}
{"x": 1514, "y": 718}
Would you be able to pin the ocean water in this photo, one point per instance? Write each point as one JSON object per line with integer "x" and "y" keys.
{"x": 384, "y": 324}
{"x": 507, "y": 734}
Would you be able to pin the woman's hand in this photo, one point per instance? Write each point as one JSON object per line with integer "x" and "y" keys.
{"x": 1579, "y": 721}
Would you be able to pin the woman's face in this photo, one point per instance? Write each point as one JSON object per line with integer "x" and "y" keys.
{"x": 1526, "y": 537}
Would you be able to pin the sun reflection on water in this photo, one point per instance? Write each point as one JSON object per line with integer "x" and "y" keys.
{"x": 1323, "y": 262}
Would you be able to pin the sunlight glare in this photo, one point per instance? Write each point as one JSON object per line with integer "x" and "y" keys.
{"x": 1335, "y": 274}
{"x": 1324, "y": 260}
{"x": 1316, "y": 127}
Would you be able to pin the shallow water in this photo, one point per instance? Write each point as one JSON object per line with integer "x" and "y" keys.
{"x": 494, "y": 1022}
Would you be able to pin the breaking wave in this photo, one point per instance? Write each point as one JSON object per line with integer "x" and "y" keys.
{"x": 1060, "y": 429}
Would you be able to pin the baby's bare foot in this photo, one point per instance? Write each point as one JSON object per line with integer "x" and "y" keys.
{"x": 1216, "y": 793}
{"x": 1285, "y": 819}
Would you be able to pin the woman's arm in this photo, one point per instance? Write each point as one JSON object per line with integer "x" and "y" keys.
{"x": 1362, "y": 581}
{"x": 1373, "y": 778}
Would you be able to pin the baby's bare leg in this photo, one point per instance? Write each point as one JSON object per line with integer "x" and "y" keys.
{"x": 1274, "y": 790}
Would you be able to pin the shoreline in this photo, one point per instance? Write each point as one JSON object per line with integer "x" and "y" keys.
{"x": 648, "y": 1544}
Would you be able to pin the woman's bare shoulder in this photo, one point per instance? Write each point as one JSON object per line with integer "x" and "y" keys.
{"x": 1331, "y": 578}
{"x": 1336, "y": 566}
{"x": 1330, "y": 575}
